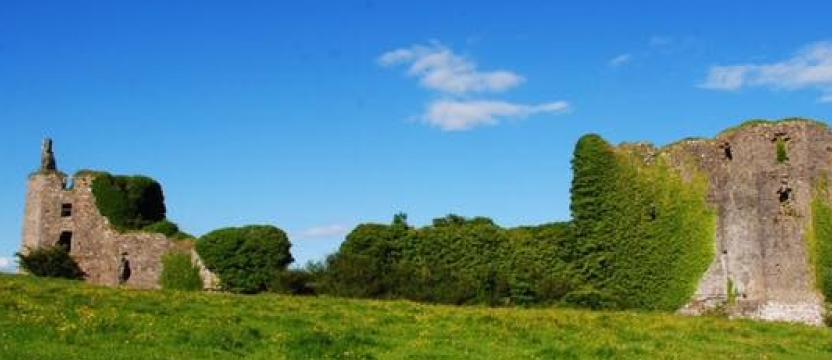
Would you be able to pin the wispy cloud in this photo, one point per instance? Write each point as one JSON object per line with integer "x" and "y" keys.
{"x": 620, "y": 60}
{"x": 809, "y": 68}
{"x": 455, "y": 78}
{"x": 453, "y": 115}
{"x": 325, "y": 231}
{"x": 438, "y": 68}
{"x": 7, "y": 264}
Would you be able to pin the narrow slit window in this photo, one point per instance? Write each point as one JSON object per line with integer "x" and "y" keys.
{"x": 66, "y": 210}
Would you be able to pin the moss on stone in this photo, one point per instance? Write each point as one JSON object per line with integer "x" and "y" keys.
{"x": 819, "y": 237}
{"x": 765, "y": 122}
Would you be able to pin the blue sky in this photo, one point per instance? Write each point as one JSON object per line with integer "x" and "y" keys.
{"x": 318, "y": 115}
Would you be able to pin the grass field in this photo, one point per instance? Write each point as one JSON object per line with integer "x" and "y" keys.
{"x": 55, "y": 319}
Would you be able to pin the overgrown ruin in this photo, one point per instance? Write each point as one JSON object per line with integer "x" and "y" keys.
{"x": 762, "y": 267}
{"x": 760, "y": 180}
{"x": 65, "y": 214}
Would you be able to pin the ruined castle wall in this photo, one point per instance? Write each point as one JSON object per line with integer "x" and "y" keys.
{"x": 95, "y": 244}
{"x": 761, "y": 247}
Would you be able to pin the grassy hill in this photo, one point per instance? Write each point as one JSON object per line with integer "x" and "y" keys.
{"x": 55, "y": 319}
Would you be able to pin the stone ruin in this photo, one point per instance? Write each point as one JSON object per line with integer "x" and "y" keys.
{"x": 764, "y": 211}
{"x": 62, "y": 214}
{"x": 761, "y": 267}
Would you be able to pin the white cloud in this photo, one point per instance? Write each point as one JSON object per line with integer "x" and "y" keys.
{"x": 7, "y": 263}
{"x": 809, "y": 68}
{"x": 452, "y": 115}
{"x": 438, "y": 68}
{"x": 620, "y": 60}
{"x": 325, "y": 231}
{"x": 455, "y": 78}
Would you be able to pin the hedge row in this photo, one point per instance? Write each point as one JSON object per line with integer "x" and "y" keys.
{"x": 455, "y": 260}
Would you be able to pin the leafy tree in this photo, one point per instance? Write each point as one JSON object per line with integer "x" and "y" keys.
{"x": 246, "y": 259}
{"x": 363, "y": 266}
{"x": 51, "y": 261}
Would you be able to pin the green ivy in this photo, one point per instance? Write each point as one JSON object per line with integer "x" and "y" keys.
{"x": 179, "y": 272}
{"x": 782, "y": 153}
{"x": 644, "y": 235}
{"x": 129, "y": 202}
{"x": 169, "y": 229}
{"x": 819, "y": 237}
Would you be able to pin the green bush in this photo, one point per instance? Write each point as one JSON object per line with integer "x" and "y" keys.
{"x": 129, "y": 202}
{"x": 163, "y": 227}
{"x": 52, "y": 261}
{"x": 246, "y": 259}
{"x": 179, "y": 272}
{"x": 169, "y": 229}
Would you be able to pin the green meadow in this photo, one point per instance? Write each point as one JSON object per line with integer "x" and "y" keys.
{"x": 60, "y": 319}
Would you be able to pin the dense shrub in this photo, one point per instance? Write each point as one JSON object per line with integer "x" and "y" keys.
{"x": 535, "y": 263}
{"x": 643, "y": 235}
{"x": 819, "y": 237}
{"x": 52, "y": 261}
{"x": 246, "y": 259}
{"x": 365, "y": 264}
{"x": 455, "y": 260}
{"x": 179, "y": 272}
{"x": 129, "y": 202}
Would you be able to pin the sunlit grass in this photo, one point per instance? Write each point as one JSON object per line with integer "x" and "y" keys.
{"x": 54, "y": 319}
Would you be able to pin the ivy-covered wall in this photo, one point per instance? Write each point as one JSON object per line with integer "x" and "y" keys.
{"x": 644, "y": 236}
{"x": 129, "y": 202}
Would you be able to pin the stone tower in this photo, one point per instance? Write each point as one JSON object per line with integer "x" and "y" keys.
{"x": 60, "y": 215}
{"x": 762, "y": 265}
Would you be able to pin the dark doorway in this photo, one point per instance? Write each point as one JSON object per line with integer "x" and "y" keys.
{"x": 124, "y": 271}
{"x": 65, "y": 241}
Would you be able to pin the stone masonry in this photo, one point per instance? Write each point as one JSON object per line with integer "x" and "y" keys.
{"x": 764, "y": 211}
{"x": 62, "y": 214}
